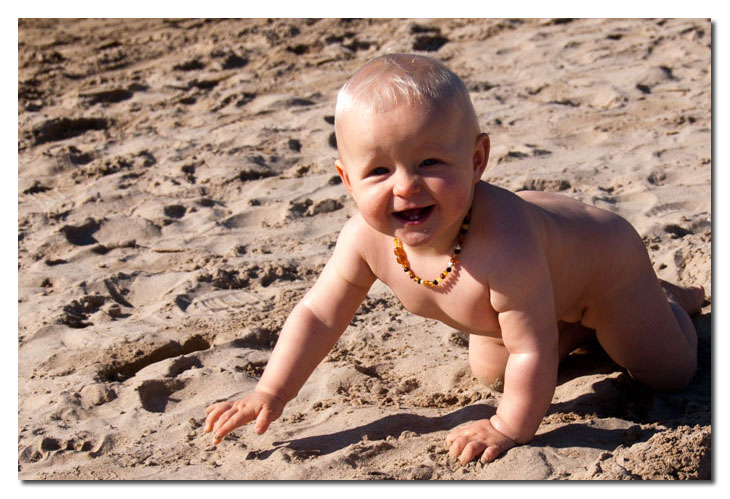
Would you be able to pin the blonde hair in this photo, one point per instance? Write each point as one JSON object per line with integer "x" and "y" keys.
{"x": 390, "y": 80}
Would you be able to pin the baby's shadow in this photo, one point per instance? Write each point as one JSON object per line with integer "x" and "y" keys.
{"x": 588, "y": 360}
{"x": 389, "y": 426}
{"x": 583, "y": 435}
{"x": 610, "y": 397}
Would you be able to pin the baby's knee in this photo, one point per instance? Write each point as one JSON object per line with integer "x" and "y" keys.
{"x": 683, "y": 373}
{"x": 488, "y": 360}
{"x": 674, "y": 379}
{"x": 489, "y": 374}
{"x": 494, "y": 382}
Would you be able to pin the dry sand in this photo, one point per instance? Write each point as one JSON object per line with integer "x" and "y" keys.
{"x": 177, "y": 196}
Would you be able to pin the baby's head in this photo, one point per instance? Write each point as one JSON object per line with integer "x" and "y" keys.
{"x": 410, "y": 148}
{"x": 392, "y": 80}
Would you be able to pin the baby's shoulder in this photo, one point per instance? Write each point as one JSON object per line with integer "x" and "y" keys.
{"x": 357, "y": 238}
{"x": 502, "y": 219}
{"x": 350, "y": 256}
{"x": 356, "y": 231}
{"x": 507, "y": 241}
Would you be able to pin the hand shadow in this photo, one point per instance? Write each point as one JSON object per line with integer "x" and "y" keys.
{"x": 582, "y": 435}
{"x": 392, "y": 425}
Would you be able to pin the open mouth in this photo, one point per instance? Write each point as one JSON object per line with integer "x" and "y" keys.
{"x": 416, "y": 215}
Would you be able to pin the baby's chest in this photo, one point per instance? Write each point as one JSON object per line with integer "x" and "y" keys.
{"x": 467, "y": 309}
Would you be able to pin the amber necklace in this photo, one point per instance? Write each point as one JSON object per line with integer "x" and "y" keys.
{"x": 400, "y": 256}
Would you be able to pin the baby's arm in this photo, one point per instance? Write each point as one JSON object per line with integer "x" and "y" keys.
{"x": 531, "y": 338}
{"x": 309, "y": 333}
{"x": 521, "y": 292}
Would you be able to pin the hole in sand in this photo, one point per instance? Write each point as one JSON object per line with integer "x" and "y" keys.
{"x": 155, "y": 394}
{"x": 126, "y": 369}
{"x": 81, "y": 235}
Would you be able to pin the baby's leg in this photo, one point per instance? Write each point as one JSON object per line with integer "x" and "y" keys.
{"x": 488, "y": 360}
{"x": 488, "y": 356}
{"x": 647, "y": 330}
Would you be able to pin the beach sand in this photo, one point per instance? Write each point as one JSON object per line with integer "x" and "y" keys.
{"x": 177, "y": 196}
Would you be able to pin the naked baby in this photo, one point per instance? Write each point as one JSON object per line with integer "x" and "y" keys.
{"x": 529, "y": 276}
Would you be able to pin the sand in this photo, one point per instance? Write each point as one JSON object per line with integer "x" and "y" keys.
{"x": 177, "y": 196}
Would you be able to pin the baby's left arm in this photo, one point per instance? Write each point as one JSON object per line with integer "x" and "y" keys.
{"x": 531, "y": 373}
{"x": 531, "y": 338}
{"x": 521, "y": 292}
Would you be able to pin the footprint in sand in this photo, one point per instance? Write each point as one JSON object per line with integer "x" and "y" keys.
{"x": 666, "y": 208}
{"x": 221, "y": 301}
{"x": 47, "y": 447}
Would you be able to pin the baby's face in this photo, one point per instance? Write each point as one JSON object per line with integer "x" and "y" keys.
{"x": 411, "y": 171}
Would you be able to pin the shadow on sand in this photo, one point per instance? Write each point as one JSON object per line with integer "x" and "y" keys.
{"x": 615, "y": 397}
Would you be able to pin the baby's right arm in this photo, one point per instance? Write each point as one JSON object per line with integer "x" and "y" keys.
{"x": 309, "y": 333}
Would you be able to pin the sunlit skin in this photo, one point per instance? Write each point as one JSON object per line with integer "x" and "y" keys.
{"x": 538, "y": 276}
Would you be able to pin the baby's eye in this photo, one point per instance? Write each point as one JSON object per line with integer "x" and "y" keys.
{"x": 429, "y": 162}
{"x": 380, "y": 170}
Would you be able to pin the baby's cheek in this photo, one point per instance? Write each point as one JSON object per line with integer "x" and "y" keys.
{"x": 379, "y": 223}
{"x": 375, "y": 216}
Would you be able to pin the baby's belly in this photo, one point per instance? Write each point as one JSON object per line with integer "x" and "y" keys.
{"x": 485, "y": 327}
{"x": 573, "y": 314}
{"x": 479, "y": 319}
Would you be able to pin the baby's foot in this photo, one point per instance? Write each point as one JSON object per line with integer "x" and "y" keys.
{"x": 690, "y": 298}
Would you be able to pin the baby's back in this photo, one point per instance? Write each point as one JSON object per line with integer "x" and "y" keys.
{"x": 590, "y": 251}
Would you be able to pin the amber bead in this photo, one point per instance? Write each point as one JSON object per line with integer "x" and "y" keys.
{"x": 402, "y": 258}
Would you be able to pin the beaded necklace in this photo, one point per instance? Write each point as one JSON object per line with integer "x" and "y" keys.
{"x": 400, "y": 256}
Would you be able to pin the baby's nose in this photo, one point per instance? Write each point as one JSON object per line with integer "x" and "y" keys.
{"x": 407, "y": 185}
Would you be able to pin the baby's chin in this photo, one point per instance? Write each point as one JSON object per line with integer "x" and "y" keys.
{"x": 414, "y": 238}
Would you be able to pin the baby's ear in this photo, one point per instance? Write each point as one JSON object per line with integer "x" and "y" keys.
{"x": 481, "y": 155}
{"x": 343, "y": 175}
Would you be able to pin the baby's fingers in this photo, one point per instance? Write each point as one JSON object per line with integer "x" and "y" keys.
{"x": 263, "y": 420}
{"x": 490, "y": 454}
{"x": 229, "y": 421}
{"x": 456, "y": 446}
{"x": 214, "y": 411}
{"x": 471, "y": 450}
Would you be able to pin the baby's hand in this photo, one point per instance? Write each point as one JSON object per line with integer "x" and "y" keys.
{"x": 479, "y": 437}
{"x": 224, "y": 417}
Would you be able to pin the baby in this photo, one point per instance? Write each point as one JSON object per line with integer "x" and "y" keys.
{"x": 530, "y": 276}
